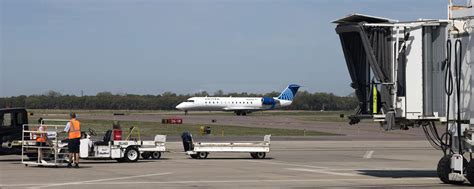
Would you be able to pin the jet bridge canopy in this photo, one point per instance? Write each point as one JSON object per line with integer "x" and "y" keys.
{"x": 367, "y": 51}
{"x": 356, "y": 18}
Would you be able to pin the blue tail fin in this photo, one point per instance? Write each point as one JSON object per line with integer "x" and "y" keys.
{"x": 289, "y": 93}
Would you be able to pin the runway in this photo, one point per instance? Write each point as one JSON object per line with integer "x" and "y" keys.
{"x": 362, "y": 131}
{"x": 290, "y": 164}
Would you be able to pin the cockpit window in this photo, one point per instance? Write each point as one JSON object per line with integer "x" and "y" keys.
{"x": 190, "y": 101}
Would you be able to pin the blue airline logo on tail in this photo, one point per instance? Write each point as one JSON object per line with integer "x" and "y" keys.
{"x": 289, "y": 93}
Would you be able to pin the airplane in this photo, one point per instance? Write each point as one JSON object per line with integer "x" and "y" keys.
{"x": 239, "y": 105}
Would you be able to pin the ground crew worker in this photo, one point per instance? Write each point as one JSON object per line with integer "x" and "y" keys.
{"x": 41, "y": 138}
{"x": 73, "y": 128}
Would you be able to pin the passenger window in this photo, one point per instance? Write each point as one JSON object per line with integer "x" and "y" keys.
{"x": 6, "y": 120}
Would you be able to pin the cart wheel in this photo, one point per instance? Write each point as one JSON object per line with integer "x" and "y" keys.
{"x": 194, "y": 156}
{"x": 254, "y": 155}
{"x": 156, "y": 155}
{"x": 146, "y": 155}
{"x": 260, "y": 155}
{"x": 131, "y": 154}
{"x": 470, "y": 172}
{"x": 26, "y": 165}
{"x": 202, "y": 155}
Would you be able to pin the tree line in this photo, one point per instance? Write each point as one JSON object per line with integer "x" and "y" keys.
{"x": 167, "y": 101}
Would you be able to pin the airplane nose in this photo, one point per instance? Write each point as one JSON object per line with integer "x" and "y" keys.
{"x": 180, "y": 106}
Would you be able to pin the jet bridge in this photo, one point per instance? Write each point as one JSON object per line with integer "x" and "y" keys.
{"x": 396, "y": 86}
{"x": 417, "y": 74}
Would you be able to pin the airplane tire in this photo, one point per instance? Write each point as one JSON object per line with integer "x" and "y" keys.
{"x": 244, "y": 113}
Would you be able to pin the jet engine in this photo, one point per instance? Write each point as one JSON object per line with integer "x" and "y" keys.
{"x": 269, "y": 101}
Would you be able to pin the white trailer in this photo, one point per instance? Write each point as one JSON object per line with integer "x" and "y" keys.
{"x": 200, "y": 150}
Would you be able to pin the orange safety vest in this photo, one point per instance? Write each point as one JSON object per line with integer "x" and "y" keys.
{"x": 74, "y": 129}
{"x": 41, "y": 137}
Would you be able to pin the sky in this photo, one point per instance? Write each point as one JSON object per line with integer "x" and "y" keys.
{"x": 154, "y": 46}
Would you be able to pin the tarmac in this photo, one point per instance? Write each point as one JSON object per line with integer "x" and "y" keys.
{"x": 290, "y": 164}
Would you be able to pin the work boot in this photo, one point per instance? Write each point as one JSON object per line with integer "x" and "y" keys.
{"x": 69, "y": 165}
{"x": 77, "y": 165}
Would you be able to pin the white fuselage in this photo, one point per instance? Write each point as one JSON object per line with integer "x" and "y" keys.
{"x": 229, "y": 104}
